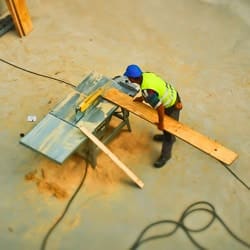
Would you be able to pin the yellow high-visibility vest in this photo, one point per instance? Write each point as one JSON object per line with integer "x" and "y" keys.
{"x": 167, "y": 93}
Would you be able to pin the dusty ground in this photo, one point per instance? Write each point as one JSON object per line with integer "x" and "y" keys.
{"x": 202, "y": 47}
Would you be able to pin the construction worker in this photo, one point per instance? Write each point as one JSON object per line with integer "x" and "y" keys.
{"x": 164, "y": 98}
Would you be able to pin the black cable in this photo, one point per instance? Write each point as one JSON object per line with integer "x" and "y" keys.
{"x": 180, "y": 224}
{"x": 29, "y": 71}
{"x": 46, "y": 237}
{"x": 241, "y": 181}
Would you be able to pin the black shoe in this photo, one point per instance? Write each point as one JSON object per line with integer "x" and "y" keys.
{"x": 158, "y": 137}
{"x": 161, "y": 161}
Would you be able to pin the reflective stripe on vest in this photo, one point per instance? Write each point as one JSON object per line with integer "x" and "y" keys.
{"x": 167, "y": 94}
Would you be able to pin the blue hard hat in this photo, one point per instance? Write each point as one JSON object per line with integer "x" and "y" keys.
{"x": 133, "y": 71}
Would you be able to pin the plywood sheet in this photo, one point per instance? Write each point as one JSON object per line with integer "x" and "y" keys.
{"x": 182, "y": 131}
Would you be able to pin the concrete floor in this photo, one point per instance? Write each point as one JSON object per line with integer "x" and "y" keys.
{"x": 203, "y": 48}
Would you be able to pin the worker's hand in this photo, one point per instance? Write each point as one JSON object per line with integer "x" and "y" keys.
{"x": 138, "y": 99}
{"x": 160, "y": 125}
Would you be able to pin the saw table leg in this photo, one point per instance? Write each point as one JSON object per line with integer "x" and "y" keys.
{"x": 125, "y": 117}
{"x": 89, "y": 150}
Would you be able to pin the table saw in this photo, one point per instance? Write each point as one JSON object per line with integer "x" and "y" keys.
{"x": 57, "y": 135}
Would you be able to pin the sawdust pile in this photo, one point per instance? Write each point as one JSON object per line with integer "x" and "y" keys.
{"x": 44, "y": 185}
{"x": 61, "y": 181}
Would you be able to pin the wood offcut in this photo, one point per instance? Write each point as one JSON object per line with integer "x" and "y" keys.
{"x": 112, "y": 156}
{"x": 176, "y": 128}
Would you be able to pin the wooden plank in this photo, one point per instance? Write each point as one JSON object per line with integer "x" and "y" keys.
{"x": 20, "y": 16}
{"x": 14, "y": 16}
{"x": 112, "y": 156}
{"x": 23, "y": 15}
{"x": 182, "y": 131}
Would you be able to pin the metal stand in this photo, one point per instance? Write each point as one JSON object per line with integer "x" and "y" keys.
{"x": 89, "y": 150}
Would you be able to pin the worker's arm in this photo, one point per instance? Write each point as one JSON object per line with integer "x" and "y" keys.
{"x": 151, "y": 97}
{"x": 161, "y": 113}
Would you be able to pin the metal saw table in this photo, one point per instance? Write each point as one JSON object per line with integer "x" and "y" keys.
{"x": 57, "y": 137}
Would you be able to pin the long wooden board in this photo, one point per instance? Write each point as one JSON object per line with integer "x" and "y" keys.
{"x": 23, "y": 15}
{"x": 176, "y": 128}
{"x": 112, "y": 156}
{"x": 20, "y": 16}
{"x": 15, "y": 18}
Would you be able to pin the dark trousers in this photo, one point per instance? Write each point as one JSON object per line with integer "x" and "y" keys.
{"x": 168, "y": 138}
